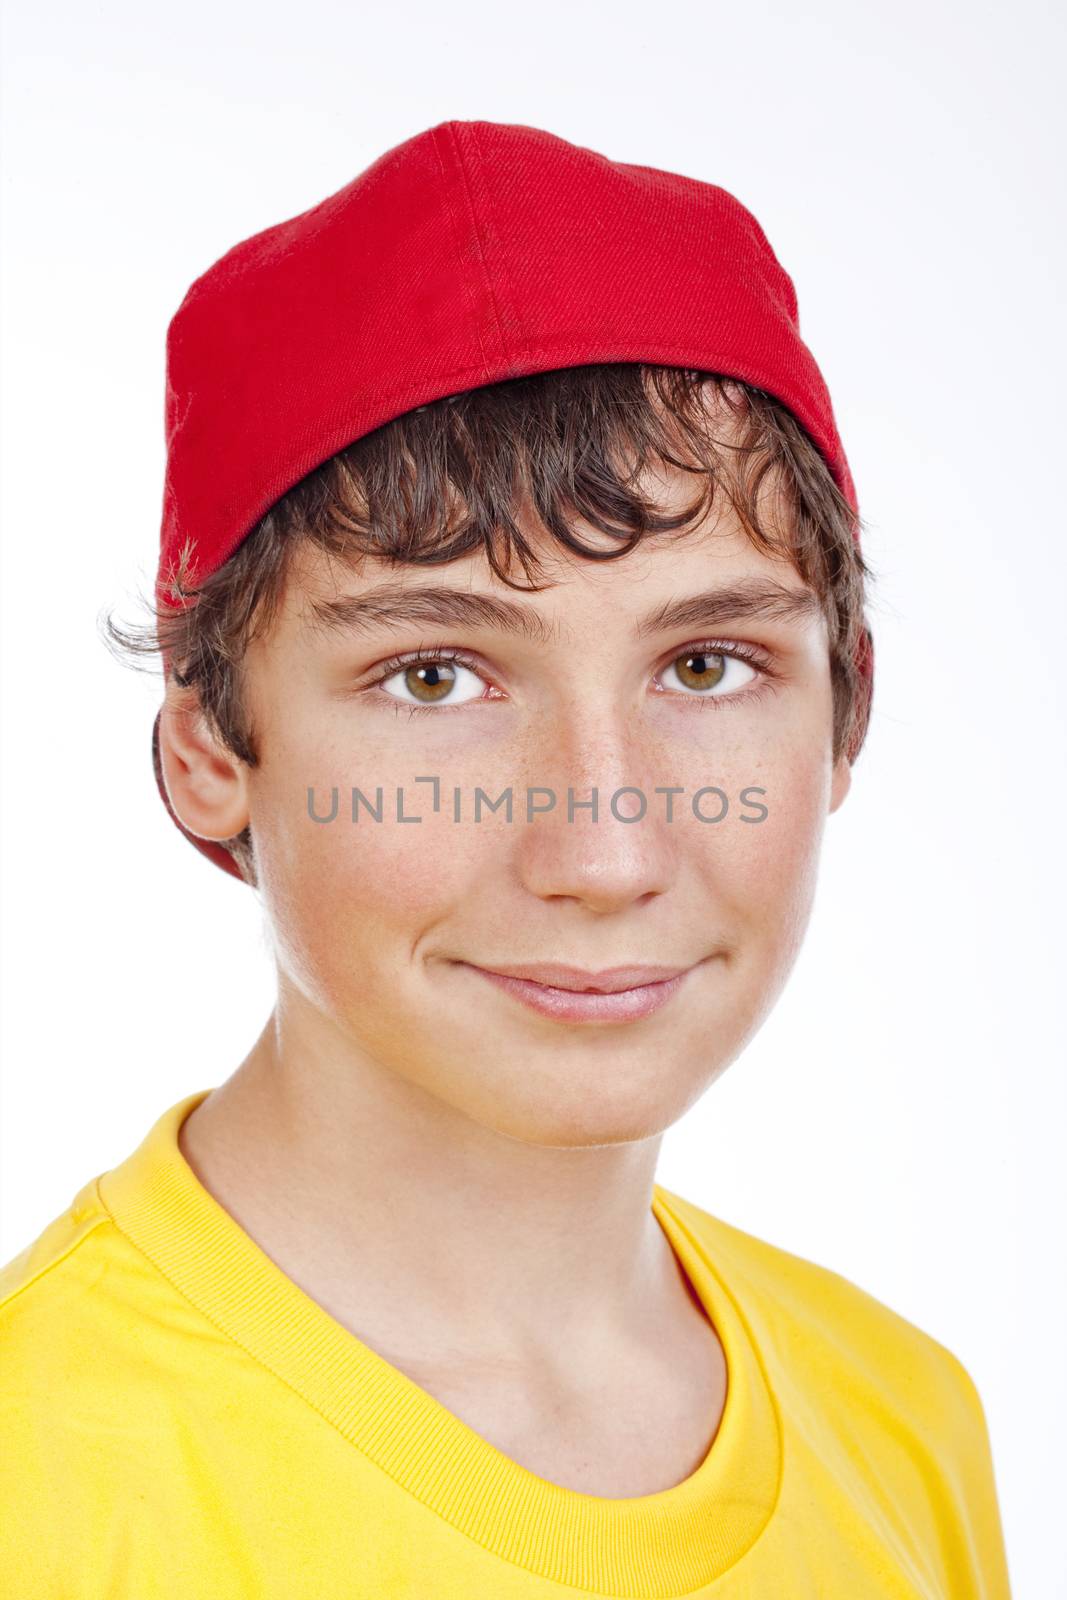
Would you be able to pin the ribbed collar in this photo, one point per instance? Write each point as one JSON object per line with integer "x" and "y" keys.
{"x": 648, "y": 1547}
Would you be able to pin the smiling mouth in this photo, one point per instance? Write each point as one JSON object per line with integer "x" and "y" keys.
{"x": 577, "y": 980}
{"x": 571, "y": 994}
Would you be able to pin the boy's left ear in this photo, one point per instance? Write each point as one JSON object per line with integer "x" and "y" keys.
{"x": 841, "y": 782}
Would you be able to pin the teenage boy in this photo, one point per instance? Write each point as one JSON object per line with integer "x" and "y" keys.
{"x": 511, "y": 606}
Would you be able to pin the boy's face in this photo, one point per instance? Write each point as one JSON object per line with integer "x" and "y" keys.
{"x": 381, "y": 927}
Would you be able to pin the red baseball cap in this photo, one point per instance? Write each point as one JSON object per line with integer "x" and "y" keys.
{"x": 471, "y": 253}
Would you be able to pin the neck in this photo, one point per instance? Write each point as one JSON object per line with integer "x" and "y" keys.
{"x": 423, "y": 1230}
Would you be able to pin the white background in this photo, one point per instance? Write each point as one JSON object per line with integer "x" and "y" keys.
{"x": 901, "y": 1116}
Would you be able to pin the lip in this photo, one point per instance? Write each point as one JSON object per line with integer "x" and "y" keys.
{"x": 572, "y": 994}
{"x": 608, "y": 980}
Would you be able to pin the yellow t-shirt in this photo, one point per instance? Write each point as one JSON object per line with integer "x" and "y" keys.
{"x": 180, "y": 1420}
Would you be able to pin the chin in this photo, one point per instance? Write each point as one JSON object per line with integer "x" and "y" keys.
{"x": 584, "y": 1115}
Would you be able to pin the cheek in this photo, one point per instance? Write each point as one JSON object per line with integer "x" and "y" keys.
{"x": 760, "y": 869}
{"x": 770, "y": 866}
{"x": 349, "y": 900}
{"x": 756, "y": 880}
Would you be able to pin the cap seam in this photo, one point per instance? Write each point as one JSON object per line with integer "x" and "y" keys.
{"x": 476, "y": 224}
{"x": 499, "y": 254}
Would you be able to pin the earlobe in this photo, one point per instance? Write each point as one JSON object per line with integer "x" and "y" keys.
{"x": 206, "y": 782}
{"x": 841, "y": 782}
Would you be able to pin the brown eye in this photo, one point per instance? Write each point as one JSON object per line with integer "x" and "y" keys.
{"x": 428, "y": 683}
{"x": 700, "y": 671}
{"x": 709, "y": 672}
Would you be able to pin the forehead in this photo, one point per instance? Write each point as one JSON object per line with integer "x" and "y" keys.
{"x": 711, "y": 548}
{"x": 644, "y": 592}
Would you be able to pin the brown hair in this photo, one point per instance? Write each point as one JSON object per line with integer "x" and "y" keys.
{"x": 447, "y": 478}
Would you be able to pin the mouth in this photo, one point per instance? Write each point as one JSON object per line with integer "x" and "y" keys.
{"x": 573, "y": 994}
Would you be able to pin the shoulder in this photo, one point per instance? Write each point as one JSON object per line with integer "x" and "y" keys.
{"x": 874, "y": 1398}
{"x": 817, "y": 1329}
{"x": 91, "y": 1338}
{"x": 52, "y": 1263}
{"x": 68, "y": 1302}
{"x": 71, "y": 1396}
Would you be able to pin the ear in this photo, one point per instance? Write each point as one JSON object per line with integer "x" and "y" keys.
{"x": 207, "y": 783}
{"x": 840, "y": 783}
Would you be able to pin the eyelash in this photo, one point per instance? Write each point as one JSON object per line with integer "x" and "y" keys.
{"x": 752, "y": 656}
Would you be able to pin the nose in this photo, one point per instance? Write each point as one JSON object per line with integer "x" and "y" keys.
{"x": 598, "y": 836}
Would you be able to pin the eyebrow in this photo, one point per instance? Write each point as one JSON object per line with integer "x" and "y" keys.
{"x": 394, "y": 604}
